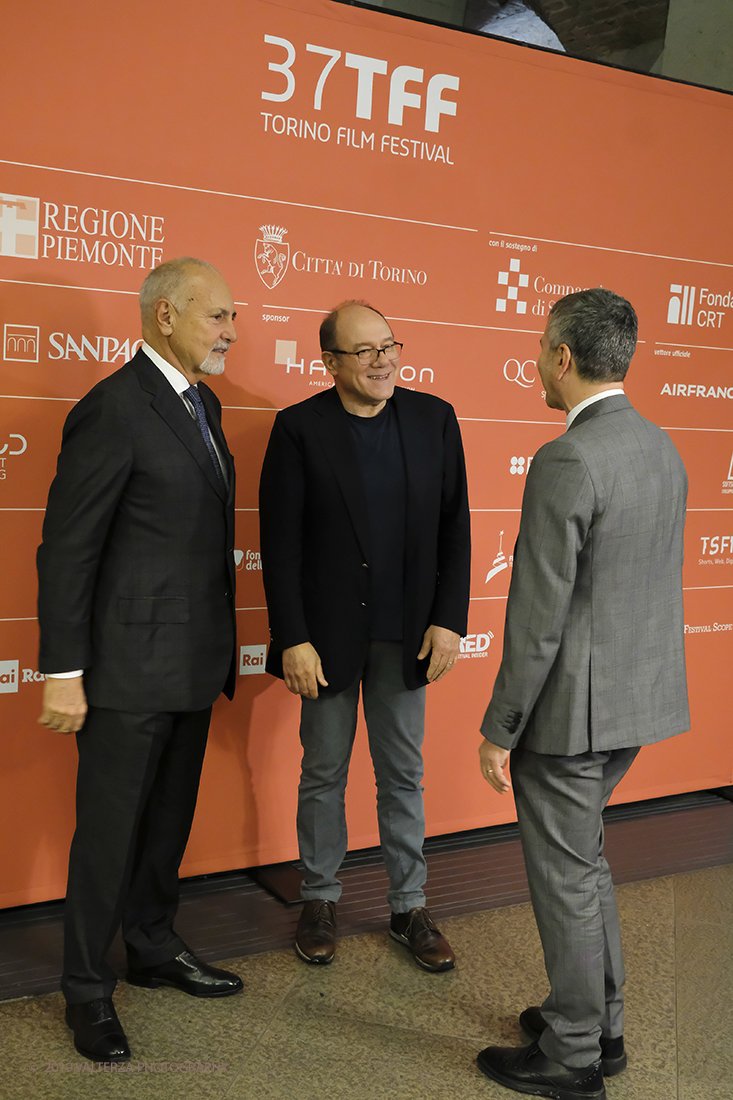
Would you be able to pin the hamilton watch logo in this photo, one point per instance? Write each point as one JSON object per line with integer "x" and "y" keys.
{"x": 272, "y": 255}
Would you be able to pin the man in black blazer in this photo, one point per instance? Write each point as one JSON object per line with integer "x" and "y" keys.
{"x": 136, "y": 613}
{"x": 365, "y": 547}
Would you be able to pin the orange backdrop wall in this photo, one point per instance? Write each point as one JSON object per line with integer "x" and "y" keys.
{"x": 315, "y": 152}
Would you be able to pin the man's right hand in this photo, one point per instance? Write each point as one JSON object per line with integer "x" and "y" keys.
{"x": 64, "y": 704}
{"x": 303, "y": 671}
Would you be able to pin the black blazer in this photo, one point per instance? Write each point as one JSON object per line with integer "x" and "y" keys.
{"x": 314, "y": 539}
{"x": 136, "y": 567}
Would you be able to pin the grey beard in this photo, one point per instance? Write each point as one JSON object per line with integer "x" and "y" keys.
{"x": 212, "y": 364}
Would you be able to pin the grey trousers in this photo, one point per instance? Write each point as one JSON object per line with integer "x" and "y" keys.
{"x": 559, "y": 801}
{"x": 395, "y": 718}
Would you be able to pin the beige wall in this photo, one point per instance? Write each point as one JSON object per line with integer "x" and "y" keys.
{"x": 699, "y": 43}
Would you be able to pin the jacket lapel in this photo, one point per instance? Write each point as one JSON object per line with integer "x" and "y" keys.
{"x": 338, "y": 446}
{"x": 171, "y": 409}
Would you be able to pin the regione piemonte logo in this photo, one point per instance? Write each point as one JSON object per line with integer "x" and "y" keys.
{"x": 272, "y": 255}
{"x": 513, "y": 280}
{"x": 19, "y": 226}
{"x": 20, "y": 343}
{"x": 680, "y": 309}
{"x": 8, "y": 676}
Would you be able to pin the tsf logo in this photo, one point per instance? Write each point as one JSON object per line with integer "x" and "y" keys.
{"x": 20, "y": 343}
{"x": 19, "y": 226}
{"x": 272, "y": 255}
{"x": 251, "y": 659}
{"x": 8, "y": 676}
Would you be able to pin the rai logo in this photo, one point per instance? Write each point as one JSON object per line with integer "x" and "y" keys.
{"x": 18, "y": 226}
{"x": 272, "y": 256}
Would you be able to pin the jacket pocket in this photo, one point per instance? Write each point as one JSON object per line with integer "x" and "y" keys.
{"x": 153, "y": 609}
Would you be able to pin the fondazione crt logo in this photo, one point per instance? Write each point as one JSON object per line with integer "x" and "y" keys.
{"x": 19, "y": 226}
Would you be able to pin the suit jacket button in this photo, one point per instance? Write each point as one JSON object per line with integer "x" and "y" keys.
{"x": 364, "y": 565}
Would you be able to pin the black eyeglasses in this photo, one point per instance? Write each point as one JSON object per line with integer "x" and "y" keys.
{"x": 368, "y": 356}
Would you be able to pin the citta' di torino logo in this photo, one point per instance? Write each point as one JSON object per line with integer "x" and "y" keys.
{"x": 19, "y": 226}
{"x": 272, "y": 255}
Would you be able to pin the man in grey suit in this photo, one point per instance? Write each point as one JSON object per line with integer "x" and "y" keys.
{"x": 593, "y": 668}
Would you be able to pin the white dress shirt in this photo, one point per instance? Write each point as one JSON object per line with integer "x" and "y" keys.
{"x": 589, "y": 401}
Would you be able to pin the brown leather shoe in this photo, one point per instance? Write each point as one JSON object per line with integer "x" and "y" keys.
{"x": 315, "y": 936}
{"x": 416, "y": 930}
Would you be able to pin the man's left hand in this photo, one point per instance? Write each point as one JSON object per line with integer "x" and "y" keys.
{"x": 443, "y": 646}
{"x": 494, "y": 760}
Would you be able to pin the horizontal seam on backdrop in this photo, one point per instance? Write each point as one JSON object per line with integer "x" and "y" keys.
{"x": 234, "y": 195}
{"x": 30, "y": 397}
{"x": 667, "y": 428}
{"x": 64, "y": 286}
{"x": 422, "y": 321}
{"x": 697, "y": 347}
{"x": 605, "y": 248}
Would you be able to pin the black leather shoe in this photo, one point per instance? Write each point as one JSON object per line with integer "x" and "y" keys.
{"x": 98, "y": 1034}
{"x": 527, "y": 1069}
{"x": 315, "y": 936}
{"x": 188, "y": 974}
{"x": 613, "y": 1056}
{"x": 416, "y": 930}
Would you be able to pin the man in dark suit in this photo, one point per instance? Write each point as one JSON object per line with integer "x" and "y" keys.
{"x": 365, "y": 548}
{"x": 593, "y": 668}
{"x": 136, "y": 612}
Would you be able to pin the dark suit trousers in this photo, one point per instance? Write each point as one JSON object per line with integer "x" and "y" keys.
{"x": 136, "y": 793}
{"x": 559, "y": 802}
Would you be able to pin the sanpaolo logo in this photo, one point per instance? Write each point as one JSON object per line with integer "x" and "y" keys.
{"x": 19, "y": 226}
{"x": 514, "y": 280}
{"x": 272, "y": 255}
{"x": 680, "y": 309}
{"x": 252, "y": 659}
{"x": 8, "y": 676}
{"x": 21, "y": 343}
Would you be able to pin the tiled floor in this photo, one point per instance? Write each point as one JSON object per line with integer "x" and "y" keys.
{"x": 372, "y": 1026}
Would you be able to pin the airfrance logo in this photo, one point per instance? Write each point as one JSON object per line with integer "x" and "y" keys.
{"x": 513, "y": 280}
{"x": 680, "y": 309}
{"x": 272, "y": 255}
{"x": 252, "y": 659}
{"x": 8, "y": 676}
{"x": 20, "y": 343}
{"x": 19, "y": 226}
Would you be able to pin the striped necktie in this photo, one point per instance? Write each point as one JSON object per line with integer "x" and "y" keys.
{"x": 194, "y": 397}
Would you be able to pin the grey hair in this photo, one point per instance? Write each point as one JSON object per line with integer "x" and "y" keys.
{"x": 600, "y": 329}
{"x": 168, "y": 280}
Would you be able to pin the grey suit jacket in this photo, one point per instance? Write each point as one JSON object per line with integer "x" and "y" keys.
{"x": 594, "y": 641}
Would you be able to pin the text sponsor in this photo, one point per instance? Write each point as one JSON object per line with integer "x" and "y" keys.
{"x": 249, "y": 559}
{"x": 708, "y": 628}
{"x": 19, "y": 226}
{"x": 286, "y": 355}
{"x": 8, "y": 676}
{"x": 94, "y": 235}
{"x": 273, "y": 258}
{"x": 701, "y": 306}
{"x": 696, "y": 389}
{"x": 500, "y": 562}
{"x": 252, "y": 659}
{"x": 421, "y": 104}
{"x": 475, "y": 645}
{"x": 21, "y": 343}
